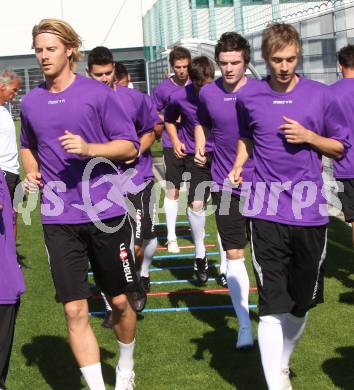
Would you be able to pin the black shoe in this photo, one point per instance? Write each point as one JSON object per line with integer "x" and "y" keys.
{"x": 136, "y": 296}
{"x": 145, "y": 283}
{"x": 201, "y": 269}
{"x": 222, "y": 281}
{"x": 108, "y": 320}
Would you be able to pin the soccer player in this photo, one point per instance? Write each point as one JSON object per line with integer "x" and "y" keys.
{"x": 344, "y": 168}
{"x": 179, "y": 59}
{"x": 289, "y": 122}
{"x": 182, "y": 107}
{"x": 217, "y": 115}
{"x": 9, "y": 85}
{"x": 67, "y": 121}
{"x": 12, "y": 285}
{"x": 142, "y": 111}
{"x": 122, "y": 75}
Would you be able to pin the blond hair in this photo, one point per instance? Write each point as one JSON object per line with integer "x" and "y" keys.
{"x": 277, "y": 36}
{"x": 64, "y": 32}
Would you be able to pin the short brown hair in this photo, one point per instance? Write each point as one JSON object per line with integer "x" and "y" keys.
{"x": 179, "y": 53}
{"x": 232, "y": 41}
{"x": 99, "y": 55}
{"x": 277, "y": 36}
{"x": 346, "y": 56}
{"x": 120, "y": 70}
{"x": 64, "y": 32}
{"x": 201, "y": 69}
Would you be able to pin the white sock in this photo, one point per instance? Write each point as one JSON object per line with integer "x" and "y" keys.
{"x": 197, "y": 222}
{"x": 126, "y": 361}
{"x": 149, "y": 247}
{"x": 239, "y": 286}
{"x": 223, "y": 258}
{"x": 106, "y": 304}
{"x": 93, "y": 376}
{"x": 293, "y": 328}
{"x": 270, "y": 340}
{"x": 171, "y": 210}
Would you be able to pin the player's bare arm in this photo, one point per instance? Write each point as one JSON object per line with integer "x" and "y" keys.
{"x": 31, "y": 166}
{"x": 200, "y": 141}
{"x": 121, "y": 150}
{"x": 295, "y": 133}
{"x": 244, "y": 151}
{"x": 146, "y": 141}
{"x": 178, "y": 147}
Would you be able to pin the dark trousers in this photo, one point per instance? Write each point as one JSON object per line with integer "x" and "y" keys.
{"x": 8, "y": 315}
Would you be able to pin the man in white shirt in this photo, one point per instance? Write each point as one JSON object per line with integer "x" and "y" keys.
{"x": 9, "y": 85}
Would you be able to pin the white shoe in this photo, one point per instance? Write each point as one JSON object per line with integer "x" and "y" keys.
{"x": 285, "y": 379}
{"x": 245, "y": 338}
{"x": 172, "y": 246}
{"x": 125, "y": 381}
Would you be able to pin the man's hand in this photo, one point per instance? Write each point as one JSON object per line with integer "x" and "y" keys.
{"x": 33, "y": 182}
{"x": 199, "y": 157}
{"x": 128, "y": 162}
{"x": 295, "y": 133}
{"x": 74, "y": 144}
{"x": 179, "y": 149}
{"x": 235, "y": 176}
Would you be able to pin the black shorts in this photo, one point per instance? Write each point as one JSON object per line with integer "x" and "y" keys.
{"x": 143, "y": 212}
{"x": 111, "y": 256}
{"x": 347, "y": 199}
{"x": 289, "y": 266}
{"x": 12, "y": 181}
{"x": 185, "y": 169}
{"x": 8, "y": 314}
{"x": 201, "y": 182}
{"x": 230, "y": 222}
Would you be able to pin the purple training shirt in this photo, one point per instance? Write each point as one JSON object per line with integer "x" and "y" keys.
{"x": 217, "y": 113}
{"x": 12, "y": 285}
{"x": 142, "y": 111}
{"x": 344, "y": 92}
{"x": 184, "y": 103}
{"x": 287, "y": 185}
{"x": 90, "y": 109}
{"x": 160, "y": 96}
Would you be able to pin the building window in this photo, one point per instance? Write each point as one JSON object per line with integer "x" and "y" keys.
{"x": 218, "y": 3}
{"x": 223, "y": 3}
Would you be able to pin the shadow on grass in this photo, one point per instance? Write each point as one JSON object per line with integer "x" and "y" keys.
{"x": 21, "y": 258}
{"x": 340, "y": 369}
{"x": 241, "y": 369}
{"x": 57, "y": 365}
{"x": 340, "y": 258}
{"x": 181, "y": 230}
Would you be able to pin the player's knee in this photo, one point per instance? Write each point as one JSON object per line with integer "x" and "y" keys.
{"x": 120, "y": 303}
{"x": 172, "y": 194}
{"x": 235, "y": 254}
{"x": 139, "y": 251}
{"x": 197, "y": 206}
{"x": 76, "y": 311}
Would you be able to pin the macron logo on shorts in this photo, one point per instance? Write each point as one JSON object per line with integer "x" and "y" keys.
{"x": 138, "y": 223}
{"x": 123, "y": 255}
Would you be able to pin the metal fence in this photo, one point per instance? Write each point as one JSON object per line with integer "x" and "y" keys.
{"x": 324, "y": 26}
